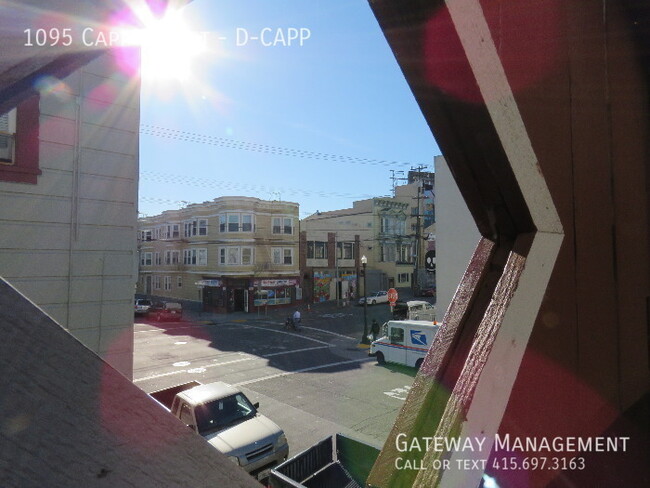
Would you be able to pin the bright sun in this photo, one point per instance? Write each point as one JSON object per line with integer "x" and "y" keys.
{"x": 169, "y": 48}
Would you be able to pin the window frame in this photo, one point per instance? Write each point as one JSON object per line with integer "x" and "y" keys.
{"x": 146, "y": 258}
{"x": 226, "y": 252}
{"x": 24, "y": 166}
{"x": 281, "y": 254}
{"x": 9, "y": 134}
{"x": 279, "y": 225}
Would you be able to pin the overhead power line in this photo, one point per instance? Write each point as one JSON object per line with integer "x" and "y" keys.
{"x": 231, "y": 186}
{"x": 157, "y": 131}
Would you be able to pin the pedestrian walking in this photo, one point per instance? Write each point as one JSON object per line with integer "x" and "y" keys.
{"x": 296, "y": 319}
{"x": 374, "y": 329}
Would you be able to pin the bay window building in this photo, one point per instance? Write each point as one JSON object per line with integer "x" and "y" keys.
{"x": 230, "y": 254}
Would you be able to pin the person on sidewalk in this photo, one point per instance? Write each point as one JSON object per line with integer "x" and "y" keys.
{"x": 374, "y": 329}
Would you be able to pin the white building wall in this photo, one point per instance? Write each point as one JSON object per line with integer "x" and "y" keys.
{"x": 68, "y": 242}
{"x": 456, "y": 236}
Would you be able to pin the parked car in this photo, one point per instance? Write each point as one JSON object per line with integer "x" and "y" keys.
{"x": 376, "y": 297}
{"x": 142, "y": 306}
{"x": 227, "y": 419}
{"x": 166, "y": 311}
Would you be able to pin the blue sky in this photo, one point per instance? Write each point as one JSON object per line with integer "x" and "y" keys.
{"x": 319, "y": 124}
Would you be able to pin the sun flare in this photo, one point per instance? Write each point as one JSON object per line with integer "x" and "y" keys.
{"x": 170, "y": 48}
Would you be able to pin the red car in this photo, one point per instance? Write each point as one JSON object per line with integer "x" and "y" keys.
{"x": 428, "y": 292}
{"x": 166, "y": 311}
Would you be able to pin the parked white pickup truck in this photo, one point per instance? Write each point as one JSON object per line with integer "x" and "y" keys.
{"x": 224, "y": 416}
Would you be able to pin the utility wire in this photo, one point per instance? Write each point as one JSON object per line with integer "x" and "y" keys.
{"x": 222, "y": 185}
{"x": 157, "y": 131}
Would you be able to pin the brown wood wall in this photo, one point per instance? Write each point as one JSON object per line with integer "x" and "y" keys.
{"x": 580, "y": 72}
{"x": 587, "y": 360}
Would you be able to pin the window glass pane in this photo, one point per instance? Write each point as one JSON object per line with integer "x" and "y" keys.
{"x": 287, "y": 256}
{"x": 348, "y": 250}
{"x": 233, "y": 223}
{"x": 247, "y": 223}
{"x": 310, "y": 249}
{"x": 277, "y": 225}
{"x": 321, "y": 250}
{"x": 222, "y": 223}
{"x": 287, "y": 226}
{"x": 277, "y": 255}
{"x": 233, "y": 255}
{"x": 396, "y": 335}
{"x": 247, "y": 255}
{"x": 202, "y": 257}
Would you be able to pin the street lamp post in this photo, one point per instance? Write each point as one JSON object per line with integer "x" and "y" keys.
{"x": 364, "y": 339}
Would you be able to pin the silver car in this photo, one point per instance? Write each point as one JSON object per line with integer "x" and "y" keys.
{"x": 376, "y": 297}
{"x": 142, "y": 306}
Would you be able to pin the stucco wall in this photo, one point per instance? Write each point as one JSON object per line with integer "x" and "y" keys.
{"x": 456, "y": 236}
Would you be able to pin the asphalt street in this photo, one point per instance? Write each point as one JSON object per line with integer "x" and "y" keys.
{"x": 312, "y": 383}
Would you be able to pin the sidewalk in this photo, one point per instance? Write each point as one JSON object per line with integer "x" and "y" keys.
{"x": 278, "y": 314}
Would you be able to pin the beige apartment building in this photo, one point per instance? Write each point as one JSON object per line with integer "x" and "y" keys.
{"x": 68, "y": 193}
{"x": 419, "y": 195}
{"x": 381, "y": 227}
{"x": 230, "y": 254}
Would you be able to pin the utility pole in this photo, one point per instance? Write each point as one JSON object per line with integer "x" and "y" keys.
{"x": 336, "y": 262}
{"x": 395, "y": 179}
{"x": 416, "y": 278}
{"x": 418, "y": 225}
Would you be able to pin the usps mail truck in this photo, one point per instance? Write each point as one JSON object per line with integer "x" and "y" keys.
{"x": 404, "y": 342}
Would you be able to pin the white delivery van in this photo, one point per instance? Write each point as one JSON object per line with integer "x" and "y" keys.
{"x": 404, "y": 342}
{"x": 421, "y": 310}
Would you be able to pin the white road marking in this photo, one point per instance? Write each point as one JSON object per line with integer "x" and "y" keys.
{"x": 396, "y": 392}
{"x": 290, "y": 333}
{"x": 330, "y": 332}
{"x": 303, "y": 370}
{"x": 178, "y": 371}
{"x": 161, "y": 375}
{"x": 213, "y": 365}
{"x": 295, "y": 350}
